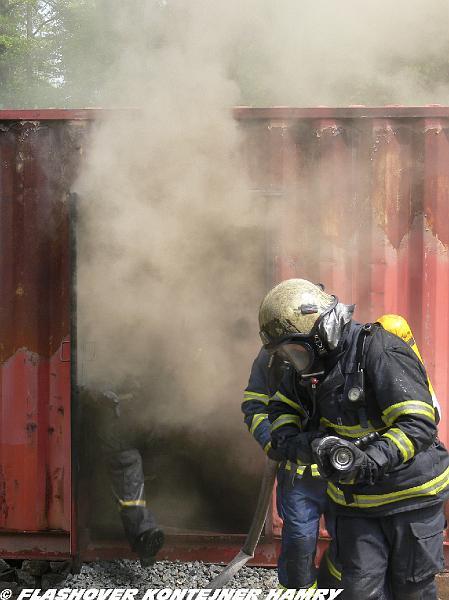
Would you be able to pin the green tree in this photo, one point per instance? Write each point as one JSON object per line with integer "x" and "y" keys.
{"x": 62, "y": 52}
{"x": 30, "y": 59}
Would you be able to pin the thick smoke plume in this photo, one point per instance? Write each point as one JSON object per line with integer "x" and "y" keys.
{"x": 172, "y": 239}
{"x": 170, "y": 248}
{"x": 316, "y": 52}
{"x": 303, "y": 53}
{"x": 172, "y": 256}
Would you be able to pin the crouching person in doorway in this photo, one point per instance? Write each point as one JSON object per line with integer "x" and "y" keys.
{"x": 115, "y": 412}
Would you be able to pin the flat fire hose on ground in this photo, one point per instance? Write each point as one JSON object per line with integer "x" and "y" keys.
{"x": 255, "y": 531}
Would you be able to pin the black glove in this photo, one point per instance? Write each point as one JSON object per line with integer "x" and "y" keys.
{"x": 364, "y": 469}
{"x": 275, "y": 455}
{"x": 298, "y": 447}
{"x": 321, "y": 448}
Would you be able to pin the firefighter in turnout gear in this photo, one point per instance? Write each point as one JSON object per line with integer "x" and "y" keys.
{"x": 300, "y": 493}
{"x": 389, "y": 503}
{"x": 116, "y": 434}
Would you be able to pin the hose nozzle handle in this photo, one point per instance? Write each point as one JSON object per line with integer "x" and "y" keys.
{"x": 366, "y": 440}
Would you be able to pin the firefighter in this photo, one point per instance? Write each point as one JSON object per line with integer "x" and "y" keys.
{"x": 116, "y": 432}
{"x": 389, "y": 504}
{"x": 300, "y": 493}
{"x": 330, "y": 570}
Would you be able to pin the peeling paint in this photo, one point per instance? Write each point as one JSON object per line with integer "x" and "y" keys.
{"x": 38, "y": 163}
{"x": 379, "y": 188}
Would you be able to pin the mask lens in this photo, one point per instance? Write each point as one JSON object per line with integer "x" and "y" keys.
{"x": 300, "y": 356}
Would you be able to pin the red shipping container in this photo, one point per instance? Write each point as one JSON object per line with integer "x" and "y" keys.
{"x": 360, "y": 197}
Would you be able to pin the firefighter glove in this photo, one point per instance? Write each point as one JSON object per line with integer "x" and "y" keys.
{"x": 321, "y": 448}
{"x": 342, "y": 461}
{"x": 275, "y": 455}
{"x": 298, "y": 447}
{"x": 364, "y": 469}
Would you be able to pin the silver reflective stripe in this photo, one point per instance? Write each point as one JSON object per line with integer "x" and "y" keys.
{"x": 285, "y": 420}
{"x": 409, "y": 407}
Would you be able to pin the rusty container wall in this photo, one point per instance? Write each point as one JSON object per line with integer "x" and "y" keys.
{"x": 364, "y": 210}
{"x": 38, "y": 160}
{"x": 361, "y": 205}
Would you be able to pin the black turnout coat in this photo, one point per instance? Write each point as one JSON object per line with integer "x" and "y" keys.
{"x": 398, "y": 405}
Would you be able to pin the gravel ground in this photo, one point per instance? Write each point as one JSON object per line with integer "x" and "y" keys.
{"x": 165, "y": 574}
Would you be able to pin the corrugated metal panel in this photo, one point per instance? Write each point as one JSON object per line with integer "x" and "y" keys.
{"x": 361, "y": 205}
{"x": 365, "y": 212}
{"x": 38, "y": 161}
{"x": 351, "y": 191}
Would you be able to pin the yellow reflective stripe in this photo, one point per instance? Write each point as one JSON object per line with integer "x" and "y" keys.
{"x": 281, "y": 398}
{"x": 252, "y": 396}
{"x": 313, "y": 468}
{"x": 250, "y": 393}
{"x": 257, "y": 420}
{"x": 430, "y": 488}
{"x": 348, "y": 482}
{"x": 267, "y": 447}
{"x": 354, "y": 431}
{"x": 299, "y": 469}
{"x": 314, "y": 586}
{"x": 332, "y": 568}
{"x": 285, "y": 420}
{"x": 315, "y": 471}
{"x": 131, "y": 502}
{"x": 401, "y": 441}
{"x": 409, "y": 407}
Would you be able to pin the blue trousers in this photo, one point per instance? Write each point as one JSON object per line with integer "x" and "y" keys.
{"x": 300, "y": 503}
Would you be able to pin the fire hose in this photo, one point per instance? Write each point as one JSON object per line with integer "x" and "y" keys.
{"x": 341, "y": 458}
{"x": 255, "y": 531}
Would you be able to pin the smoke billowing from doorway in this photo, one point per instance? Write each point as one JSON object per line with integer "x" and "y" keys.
{"x": 172, "y": 239}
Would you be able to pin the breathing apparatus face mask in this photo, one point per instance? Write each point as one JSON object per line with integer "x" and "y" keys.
{"x": 300, "y": 355}
{"x": 303, "y": 353}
